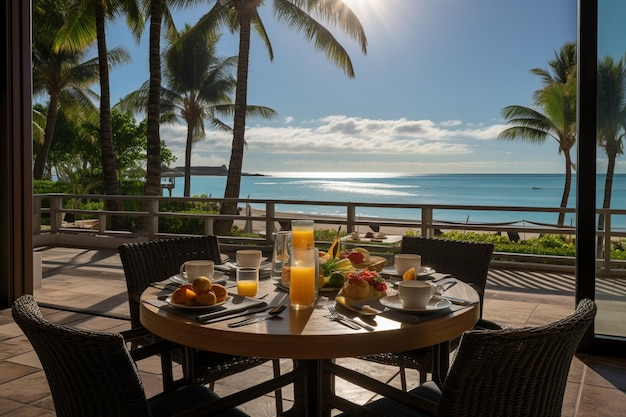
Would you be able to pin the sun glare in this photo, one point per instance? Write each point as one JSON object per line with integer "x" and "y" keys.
{"x": 371, "y": 13}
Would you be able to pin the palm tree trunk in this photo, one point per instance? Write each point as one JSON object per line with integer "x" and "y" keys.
{"x": 190, "y": 130}
{"x": 153, "y": 145}
{"x": 233, "y": 181}
{"x": 109, "y": 166}
{"x": 567, "y": 187}
{"x": 51, "y": 121}
{"x": 153, "y": 174}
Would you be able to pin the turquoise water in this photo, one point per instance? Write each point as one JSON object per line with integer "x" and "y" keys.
{"x": 527, "y": 190}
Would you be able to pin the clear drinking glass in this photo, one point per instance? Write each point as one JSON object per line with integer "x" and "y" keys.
{"x": 280, "y": 256}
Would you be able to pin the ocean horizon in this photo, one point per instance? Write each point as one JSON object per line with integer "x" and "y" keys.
{"x": 507, "y": 190}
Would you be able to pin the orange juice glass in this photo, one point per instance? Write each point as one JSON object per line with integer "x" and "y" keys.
{"x": 247, "y": 281}
{"x": 302, "y": 279}
{"x": 302, "y": 234}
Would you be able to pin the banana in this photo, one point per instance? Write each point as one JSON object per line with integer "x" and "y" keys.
{"x": 344, "y": 265}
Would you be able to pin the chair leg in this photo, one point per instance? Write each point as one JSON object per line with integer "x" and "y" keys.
{"x": 279, "y": 391}
{"x": 422, "y": 377}
{"x": 166, "y": 371}
{"x": 403, "y": 377}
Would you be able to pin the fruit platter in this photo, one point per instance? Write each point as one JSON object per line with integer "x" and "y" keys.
{"x": 334, "y": 271}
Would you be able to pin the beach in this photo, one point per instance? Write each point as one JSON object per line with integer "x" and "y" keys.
{"x": 321, "y": 224}
{"x": 488, "y": 190}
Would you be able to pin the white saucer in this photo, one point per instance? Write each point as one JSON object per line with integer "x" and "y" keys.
{"x": 423, "y": 272}
{"x": 393, "y": 302}
{"x": 168, "y": 300}
{"x": 217, "y": 278}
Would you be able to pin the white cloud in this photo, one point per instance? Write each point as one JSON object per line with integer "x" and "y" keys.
{"x": 394, "y": 145}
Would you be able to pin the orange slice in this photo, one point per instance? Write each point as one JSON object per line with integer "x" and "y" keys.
{"x": 409, "y": 275}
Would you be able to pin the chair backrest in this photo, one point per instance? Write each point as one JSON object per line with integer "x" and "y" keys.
{"x": 466, "y": 261}
{"x": 156, "y": 260}
{"x": 514, "y": 372}
{"x": 89, "y": 373}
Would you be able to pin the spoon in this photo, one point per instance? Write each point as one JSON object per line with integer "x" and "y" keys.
{"x": 273, "y": 312}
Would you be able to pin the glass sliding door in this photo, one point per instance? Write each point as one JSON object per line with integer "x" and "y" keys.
{"x": 610, "y": 282}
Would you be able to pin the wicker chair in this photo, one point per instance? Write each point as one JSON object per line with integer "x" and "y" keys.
{"x": 508, "y": 372}
{"x": 157, "y": 260}
{"x": 466, "y": 261}
{"x": 93, "y": 373}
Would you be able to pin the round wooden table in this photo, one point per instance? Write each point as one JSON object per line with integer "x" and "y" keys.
{"x": 310, "y": 338}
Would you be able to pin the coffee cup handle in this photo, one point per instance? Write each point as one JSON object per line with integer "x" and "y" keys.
{"x": 182, "y": 269}
{"x": 433, "y": 290}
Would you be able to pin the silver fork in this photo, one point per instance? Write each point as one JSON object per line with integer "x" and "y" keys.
{"x": 347, "y": 320}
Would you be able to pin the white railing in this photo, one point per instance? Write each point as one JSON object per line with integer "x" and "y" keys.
{"x": 268, "y": 217}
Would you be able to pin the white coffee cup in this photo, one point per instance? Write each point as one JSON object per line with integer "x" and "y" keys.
{"x": 405, "y": 261}
{"x": 415, "y": 294}
{"x": 191, "y": 270}
{"x": 249, "y": 258}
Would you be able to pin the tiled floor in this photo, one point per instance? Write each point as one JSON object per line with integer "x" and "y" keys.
{"x": 80, "y": 281}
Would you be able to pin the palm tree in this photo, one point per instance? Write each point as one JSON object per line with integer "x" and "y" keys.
{"x": 86, "y": 17}
{"x": 198, "y": 87}
{"x": 611, "y": 121}
{"x": 241, "y": 16}
{"x": 63, "y": 74}
{"x": 561, "y": 66}
{"x": 555, "y": 119}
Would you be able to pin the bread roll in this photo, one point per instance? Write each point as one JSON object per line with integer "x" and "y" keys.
{"x": 219, "y": 291}
{"x": 206, "y": 298}
{"x": 201, "y": 284}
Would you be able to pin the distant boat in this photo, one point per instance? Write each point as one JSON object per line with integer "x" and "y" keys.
{"x": 536, "y": 188}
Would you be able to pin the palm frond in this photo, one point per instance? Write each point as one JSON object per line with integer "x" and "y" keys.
{"x": 316, "y": 33}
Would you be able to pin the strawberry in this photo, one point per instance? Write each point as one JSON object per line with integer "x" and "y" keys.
{"x": 355, "y": 257}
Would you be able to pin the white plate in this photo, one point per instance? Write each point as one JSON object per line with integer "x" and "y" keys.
{"x": 168, "y": 300}
{"x": 423, "y": 272}
{"x": 393, "y": 302}
{"x": 217, "y": 278}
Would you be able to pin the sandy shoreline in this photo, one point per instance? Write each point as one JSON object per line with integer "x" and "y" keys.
{"x": 259, "y": 226}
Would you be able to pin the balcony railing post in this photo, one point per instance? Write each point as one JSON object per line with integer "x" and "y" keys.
{"x": 56, "y": 215}
{"x": 270, "y": 214}
{"x": 351, "y": 218}
{"x": 607, "y": 241}
{"x": 208, "y": 226}
{"x": 153, "y": 218}
{"x": 427, "y": 222}
{"x": 36, "y": 215}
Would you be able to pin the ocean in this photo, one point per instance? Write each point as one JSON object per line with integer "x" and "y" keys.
{"x": 526, "y": 190}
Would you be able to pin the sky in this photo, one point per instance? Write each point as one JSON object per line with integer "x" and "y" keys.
{"x": 426, "y": 98}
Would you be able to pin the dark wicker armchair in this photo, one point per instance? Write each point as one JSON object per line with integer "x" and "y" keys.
{"x": 157, "y": 260}
{"x": 509, "y": 372}
{"x": 93, "y": 373}
{"x": 466, "y": 261}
